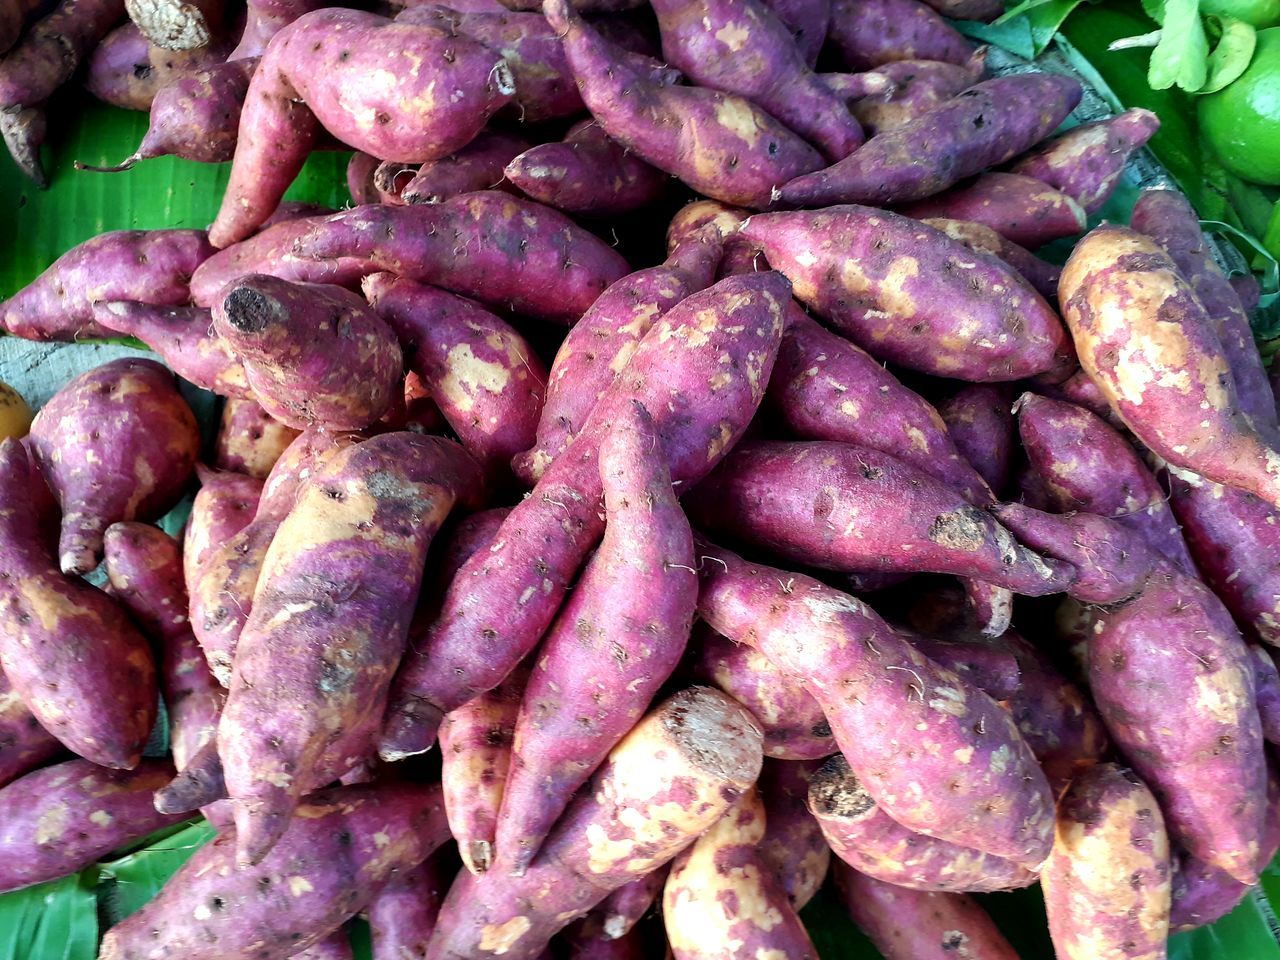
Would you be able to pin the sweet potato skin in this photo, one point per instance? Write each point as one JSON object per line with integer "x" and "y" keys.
{"x": 914, "y": 925}
{"x": 868, "y": 686}
{"x": 477, "y": 166}
{"x": 721, "y": 902}
{"x": 620, "y": 911}
{"x": 808, "y": 21}
{"x": 979, "y": 419}
{"x": 650, "y": 799}
{"x": 792, "y": 848}
{"x": 62, "y": 818}
{"x": 1106, "y": 884}
{"x": 918, "y": 87}
{"x": 1200, "y": 749}
{"x": 12, "y": 21}
{"x": 1146, "y": 340}
{"x": 1041, "y": 274}
{"x": 333, "y": 859}
{"x": 1020, "y": 208}
{"x": 1266, "y": 677}
{"x": 148, "y": 266}
{"x": 402, "y": 914}
{"x": 890, "y": 269}
{"x": 24, "y": 744}
{"x": 250, "y": 440}
{"x": 197, "y": 117}
{"x": 126, "y": 70}
{"x": 265, "y": 19}
{"x": 883, "y": 31}
{"x": 981, "y": 127}
{"x": 620, "y": 635}
{"x": 718, "y": 345}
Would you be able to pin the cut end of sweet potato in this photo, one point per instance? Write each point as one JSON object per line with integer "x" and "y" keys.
{"x": 726, "y": 745}
{"x": 836, "y": 791}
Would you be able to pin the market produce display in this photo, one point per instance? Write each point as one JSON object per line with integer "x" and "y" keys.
{"x": 722, "y": 463}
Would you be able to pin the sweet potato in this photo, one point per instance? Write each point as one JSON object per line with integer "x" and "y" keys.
{"x": 1168, "y": 218}
{"x": 979, "y": 419}
{"x": 1106, "y": 885}
{"x": 1085, "y": 464}
{"x": 126, "y": 71}
{"x": 503, "y": 251}
{"x": 1020, "y": 208}
{"x": 717, "y": 346}
{"x": 914, "y": 925}
{"x": 477, "y": 166}
{"x": 586, "y": 939}
{"x": 720, "y": 900}
{"x": 23, "y": 130}
{"x": 868, "y": 839}
{"x": 1266, "y": 681}
{"x": 483, "y": 375}
{"x": 825, "y": 388}
{"x": 794, "y": 726}
{"x": 300, "y": 89}
{"x": 24, "y": 744}
{"x": 981, "y": 127}
{"x": 1087, "y": 161}
{"x": 183, "y": 337}
{"x": 360, "y": 172}
{"x": 13, "y": 19}
{"x": 985, "y": 10}
{"x": 911, "y": 295}
{"x": 891, "y": 709}
{"x": 808, "y": 21}
{"x": 743, "y": 48}
{"x": 44, "y": 59}
{"x": 987, "y": 666}
{"x": 402, "y": 914}
{"x": 567, "y": 175}
{"x": 250, "y": 440}
{"x": 223, "y": 506}
{"x": 149, "y": 266}
{"x": 602, "y": 342}
{"x": 869, "y": 33}
{"x": 620, "y": 635}
{"x": 769, "y": 492}
{"x": 669, "y": 779}
{"x": 720, "y": 144}
{"x": 1175, "y": 687}
{"x": 793, "y": 848}
{"x": 1146, "y": 340}
{"x": 917, "y": 86}
{"x": 1041, "y": 274}
{"x": 266, "y": 18}
{"x": 329, "y": 621}
{"x": 58, "y": 820}
{"x": 345, "y": 844}
{"x": 178, "y": 25}
{"x": 693, "y": 217}
{"x": 101, "y": 465}
{"x": 621, "y": 910}
{"x": 313, "y": 355}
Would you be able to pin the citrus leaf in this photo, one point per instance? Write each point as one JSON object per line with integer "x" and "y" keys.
{"x": 1231, "y": 56}
{"x": 1180, "y": 57}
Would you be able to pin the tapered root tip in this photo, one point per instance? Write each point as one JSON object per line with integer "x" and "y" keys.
{"x": 477, "y": 855}
{"x": 259, "y": 824}
{"x": 125, "y": 164}
{"x": 411, "y": 729}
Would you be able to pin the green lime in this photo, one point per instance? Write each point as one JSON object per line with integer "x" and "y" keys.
{"x": 1241, "y": 122}
{"x": 1257, "y": 13}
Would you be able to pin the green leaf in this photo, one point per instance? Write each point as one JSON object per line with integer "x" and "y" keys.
{"x": 1180, "y": 57}
{"x": 1154, "y": 9}
{"x": 1025, "y": 30}
{"x": 57, "y": 920}
{"x": 1013, "y": 35}
{"x": 130, "y": 881}
{"x": 1231, "y": 56}
{"x": 1271, "y": 233}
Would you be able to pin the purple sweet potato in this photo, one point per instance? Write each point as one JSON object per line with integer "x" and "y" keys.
{"x": 477, "y": 166}
{"x": 475, "y": 751}
{"x": 1174, "y": 684}
{"x": 620, "y": 635}
{"x": 1168, "y": 218}
{"x": 116, "y": 443}
{"x": 1266, "y": 681}
{"x": 717, "y": 346}
{"x": 674, "y": 775}
{"x": 265, "y": 19}
{"x": 868, "y": 839}
{"x": 794, "y": 726}
{"x": 329, "y": 621}
{"x": 720, "y": 144}
{"x": 360, "y": 172}
{"x": 693, "y": 217}
{"x": 402, "y": 914}
{"x": 721, "y": 900}
{"x": 982, "y": 239}
{"x": 825, "y": 388}
{"x": 1086, "y": 162}
{"x": 917, "y": 86}
{"x": 1106, "y": 885}
{"x": 621, "y": 910}
{"x": 741, "y": 47}
{"x": 24, "y": 744}
{"x": 183, "y": 338}
{"x": 914, "y": 925}
{"x": 1083, "y": 463}
{"x": 874, "y": 513}
{"x": 911, "y": 295}
{"x": 336, "y": 855}
{"x": 13, "y": 19}
{"x": 499, "y": 249}
{"x": 223, "y": 506}
{"x": 979, "y": 419}
{"x": 336, "y": 946}
{"x": 869, "y": 33}
{"x": 149, "y": 266}
{"x": 1146, "y": 340}
{"x": 313, "y": 355}
{"x": 127, "y": 71}
{"x": 250, "y": 440}
{"x": 981, "y": 127}
{"x": 44, "y": 59}
{"x": 602, "y": 342}
{"x": 483, "y": 375}
{"x": 23, "y": 130}
{"x": 300, "y": 89}
{"x": 987, "y": 666}
{"x": 793, "y": 848}
{"x": 58, "y": 820}
{"x": 568, "y": 175}
{"x": 1019, "y": 208}
{"x": 586, "y": 939}
{"x": 808, "y": 21}
{"x": 891, "y": 709}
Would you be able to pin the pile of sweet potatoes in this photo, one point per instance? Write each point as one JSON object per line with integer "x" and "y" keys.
{"x": 852, "y": 539}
